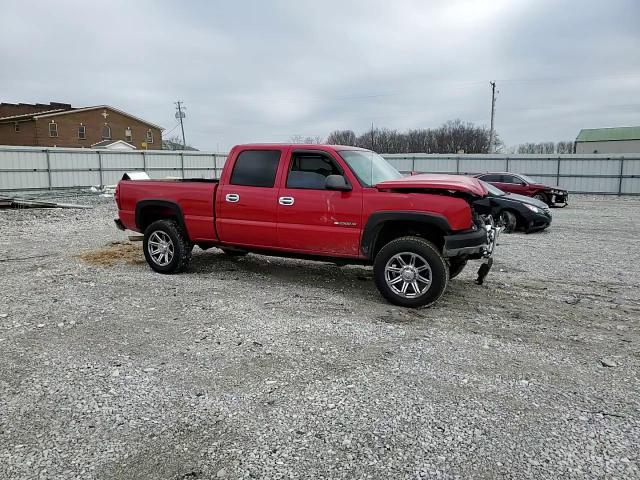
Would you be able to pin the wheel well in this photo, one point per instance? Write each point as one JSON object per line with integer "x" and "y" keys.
{"x": 148, "y": 214}
{"x": 401, "y": 228}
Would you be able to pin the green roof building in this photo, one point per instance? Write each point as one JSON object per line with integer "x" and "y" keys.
{"x": 608, "y": 140}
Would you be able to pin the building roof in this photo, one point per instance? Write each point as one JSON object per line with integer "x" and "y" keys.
{"x": 51, "y": 113}
{"x": 29, "y": 116}
{"x": 97, "y": 107}
{"x": 608, "y": 134}
{"x": 106, "y": 143}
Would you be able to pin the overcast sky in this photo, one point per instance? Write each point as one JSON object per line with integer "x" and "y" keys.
{"x": 253, "y": 71}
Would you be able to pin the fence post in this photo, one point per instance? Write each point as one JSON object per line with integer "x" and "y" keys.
{"x": 558, "y": 172}
{"x": 507, "y": 159}
{"x": 182, "y": 163}
{"x": 144, "y": 162}
{"x": 413, "y": 163}
{"x": 621, "y": 173}
{"x": 457, "y": 163}
{"x": 100, "y": 168}
{"x": 49, "y": 169}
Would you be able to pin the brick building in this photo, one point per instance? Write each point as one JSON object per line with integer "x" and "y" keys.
{"x": 61, "y": 125}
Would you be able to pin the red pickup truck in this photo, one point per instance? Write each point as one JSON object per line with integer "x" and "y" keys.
{"x": 324, "y": 202}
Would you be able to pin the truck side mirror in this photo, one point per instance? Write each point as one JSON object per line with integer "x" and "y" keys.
{"x": 337, "y": 182}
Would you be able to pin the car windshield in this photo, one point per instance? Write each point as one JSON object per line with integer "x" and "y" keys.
{"x": 369, "y": 167}
{"x": 495, "y": 191}
{"x": 527, "y": 179}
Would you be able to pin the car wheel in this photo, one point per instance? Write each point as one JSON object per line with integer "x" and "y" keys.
{"x": 542, "y": 197}
{"x": 166, "y": 248}
{"x": 456, "y": 266}
{"x": 234, "y": 253}
{"x": 410, "y": 272}
{"x": 508, "y": 221}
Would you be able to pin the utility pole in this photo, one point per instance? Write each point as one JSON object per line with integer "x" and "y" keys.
{"x": 180, "y": 115}
{"x": 373, "y": 143}
{"x": 493, "y": 115}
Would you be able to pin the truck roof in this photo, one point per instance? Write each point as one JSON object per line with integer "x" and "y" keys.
{"x": 309, "y": 146}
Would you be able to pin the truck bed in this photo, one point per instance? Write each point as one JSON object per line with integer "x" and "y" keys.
{"x": 195, "y": 199}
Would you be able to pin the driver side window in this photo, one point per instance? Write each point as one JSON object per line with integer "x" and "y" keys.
{"x": 310, "y": 170}
{"x": 510, "y": 179}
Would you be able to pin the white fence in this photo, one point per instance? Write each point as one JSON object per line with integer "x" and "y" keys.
{"x": 23, "y": 168}
{"x": 581, "y": 173}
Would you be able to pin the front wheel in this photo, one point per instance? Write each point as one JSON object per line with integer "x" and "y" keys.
{"x": 542, "y": 197}
{"x": 166, "y": 247}
{"x": 507, "y": 221}
{"x": 410, "y": 272}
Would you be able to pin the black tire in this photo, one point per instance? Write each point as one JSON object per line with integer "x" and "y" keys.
{"x": 234, "y": 253}
{"x": 542, "y": 197}
{"x": 425, "y": 251}
{"x": 456, "y": 266}
{"x": 508, "y": 221}
{"x": 179, "y": 246}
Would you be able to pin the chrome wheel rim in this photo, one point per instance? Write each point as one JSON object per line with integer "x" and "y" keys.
{"x": 160, "y": 248}
{"x": 408, "y": 275}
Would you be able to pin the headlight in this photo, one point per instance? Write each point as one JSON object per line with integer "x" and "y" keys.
{"x": 533, "y": 208}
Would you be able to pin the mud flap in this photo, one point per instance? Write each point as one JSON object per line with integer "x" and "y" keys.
{"x": 483, "y": 271}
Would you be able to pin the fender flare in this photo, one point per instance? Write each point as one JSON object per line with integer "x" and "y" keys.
{"x": 377, "y": 220}
{"x": 172, "y": 206}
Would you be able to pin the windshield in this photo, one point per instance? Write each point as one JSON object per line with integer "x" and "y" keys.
{"x": 369, "y": 167}
{"x": 495, "y": 191}
{"x": 527, "y": 179}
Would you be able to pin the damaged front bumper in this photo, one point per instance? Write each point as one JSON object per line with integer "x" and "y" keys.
{"x": 475, "y": 244}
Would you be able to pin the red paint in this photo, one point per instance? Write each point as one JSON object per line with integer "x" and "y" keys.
{"x": 320, "y": 222}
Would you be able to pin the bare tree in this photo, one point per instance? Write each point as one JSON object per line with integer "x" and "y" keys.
{"x": 317, "y": 139}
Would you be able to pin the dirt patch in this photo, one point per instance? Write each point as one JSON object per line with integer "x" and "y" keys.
{"x": 113, "y": 253}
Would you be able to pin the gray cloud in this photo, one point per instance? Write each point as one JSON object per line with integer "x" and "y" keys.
{"x": 264, "y": 71}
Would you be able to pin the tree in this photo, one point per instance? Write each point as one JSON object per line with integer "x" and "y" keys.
{"x": 545, "y": 147}
{"x": 175, "y": 143}
{"x": 308, "y": 139}
{"x": 452, "y": 137}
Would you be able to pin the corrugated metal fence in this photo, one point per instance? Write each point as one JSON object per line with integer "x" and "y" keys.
{"x": 23, "y": 168}
{"x": 582, "y": 173}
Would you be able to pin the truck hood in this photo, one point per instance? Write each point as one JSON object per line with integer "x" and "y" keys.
{"x": 430, "y": 181}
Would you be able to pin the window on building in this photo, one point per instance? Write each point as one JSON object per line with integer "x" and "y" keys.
{"x": 82, "y": 132}
{"x": 149, "y": 136}
{"x": 16, "y": 127}
{"x": 127, "y": 135}
{"x": 53, "y": 129}
{"x": 106, "y": 132}
{"x": 256, "y": 168}
{"x": 310, "y": 171}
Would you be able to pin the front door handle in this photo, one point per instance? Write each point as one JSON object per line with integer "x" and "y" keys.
{"x": 232, "y": 197}
{"x": 286, "y": 200}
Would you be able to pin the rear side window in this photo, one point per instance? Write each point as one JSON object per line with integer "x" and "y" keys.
{"x": 256, "y": 168}
{"x": 310, "y": 171}
{"x": 490, "y": 178}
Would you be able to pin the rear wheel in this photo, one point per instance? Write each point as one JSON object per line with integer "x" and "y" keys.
{"x": 456, "y": 266}
{"x": 410, "y": 272}
{"x": 508, "y": 221}
{"x": 166, "y": 247}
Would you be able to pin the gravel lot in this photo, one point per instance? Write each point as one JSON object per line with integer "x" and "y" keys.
{"x": 273, "y": 368}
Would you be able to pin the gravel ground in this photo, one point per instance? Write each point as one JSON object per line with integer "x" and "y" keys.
{"x": 273, "y": 368}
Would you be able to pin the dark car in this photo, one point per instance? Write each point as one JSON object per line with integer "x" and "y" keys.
{"x": 512, "y": 211}
{"x": 523, "y": 185}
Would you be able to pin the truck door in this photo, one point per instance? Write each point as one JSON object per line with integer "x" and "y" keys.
{"x": 312, "y": 219}
{"x": 247, "y": 199}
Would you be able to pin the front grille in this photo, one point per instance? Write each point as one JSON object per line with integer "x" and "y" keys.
{"x": 547, "y": 211}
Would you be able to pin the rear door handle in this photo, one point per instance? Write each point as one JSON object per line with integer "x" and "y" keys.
{"x": 286, "y": 200}
{"x": 232, "y": 197}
